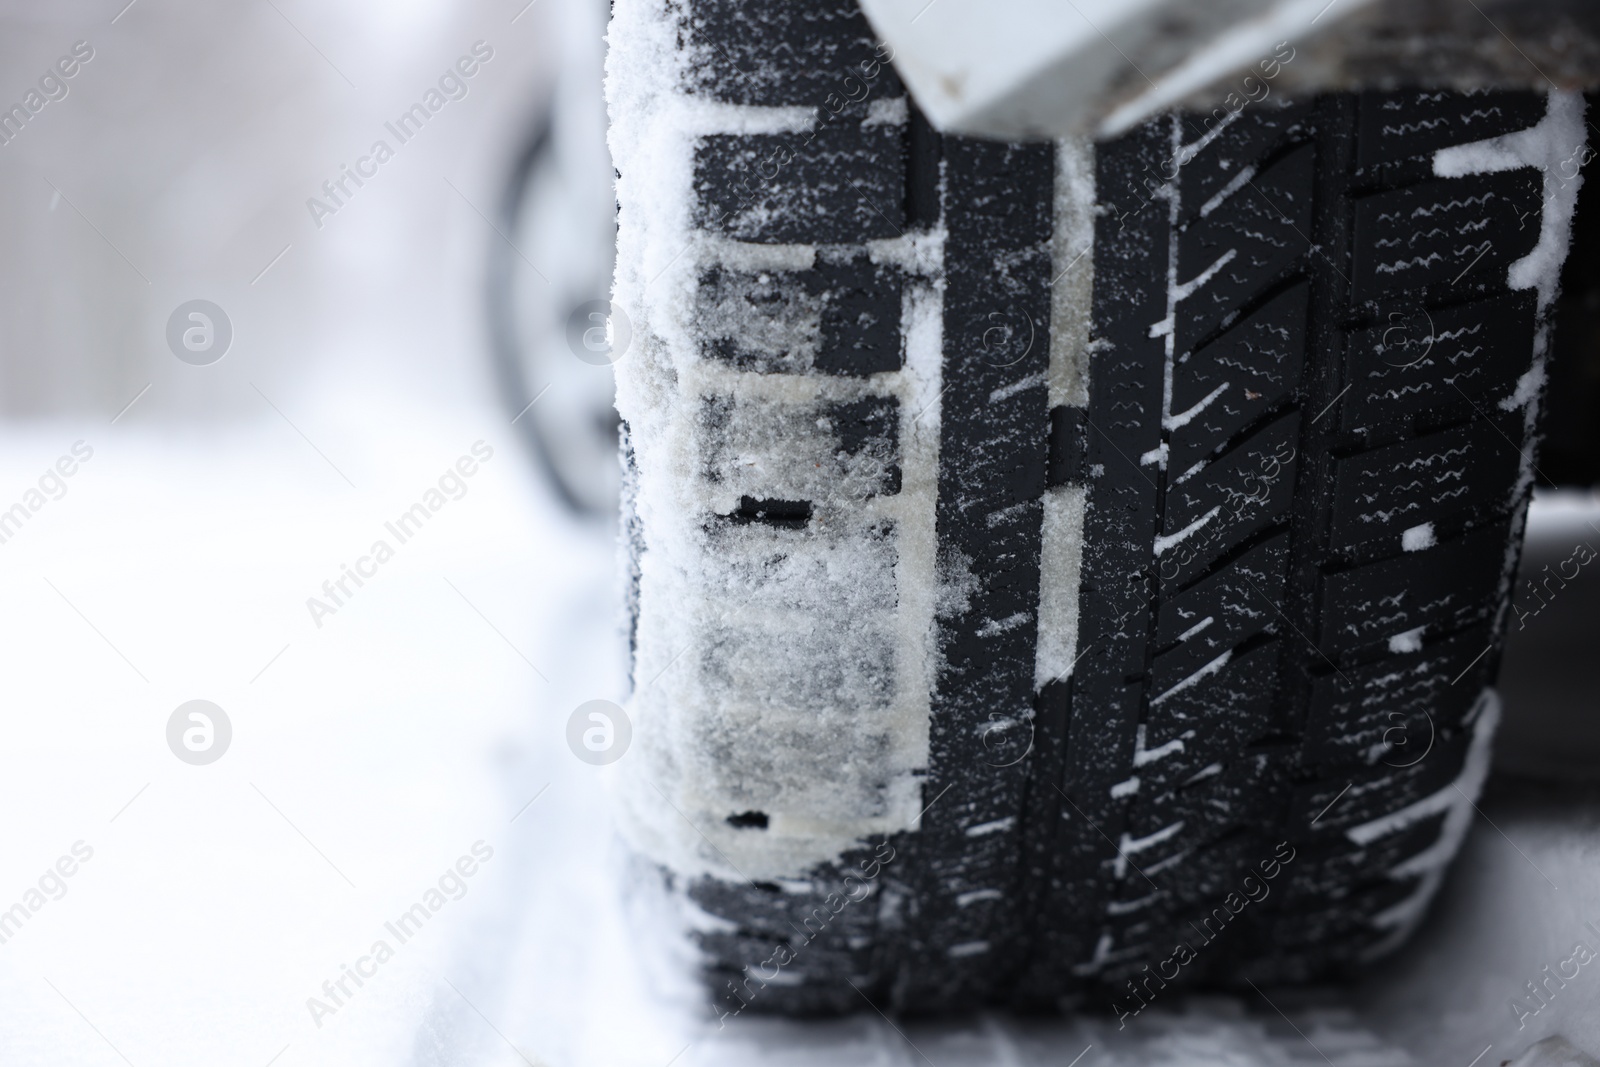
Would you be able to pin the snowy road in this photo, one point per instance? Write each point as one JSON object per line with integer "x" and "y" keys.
{"x": 225, "y": 910}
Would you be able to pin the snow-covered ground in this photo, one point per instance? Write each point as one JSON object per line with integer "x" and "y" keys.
{"x": 413, "y": 728}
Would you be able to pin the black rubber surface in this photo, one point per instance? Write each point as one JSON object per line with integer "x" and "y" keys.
{"x": 1304, "y": 578}
{"x": 1356, "y": 338}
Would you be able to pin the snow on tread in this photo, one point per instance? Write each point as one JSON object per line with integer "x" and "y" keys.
{"x": 848, "y": 440}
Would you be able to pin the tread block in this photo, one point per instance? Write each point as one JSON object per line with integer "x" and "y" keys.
{"x": 1218, "y": 614}
{"x": 1234, "y": 496}
{"x": 840, "y": 317}
{"x": 832, "y": 453}
{"x": 1377, "y": 790}
{"x": 1416, "y": 596}
{"x": 1243, "y": 143}
{"x": 1441, "y": 233}
{"x": 770, "y": 914}
{"x": 773, "y": 55}
{"x": 1068, "y": 446}
{"x": 999, "y": 624}
{"x": 1242, "y": 792}
{"x": 1238, "y": 794}
{"x": 1465, "y": 474}
{"x": 1391, "y": 711}
{"x": 1206, "y": 877}
{"x": 984, "y": 854}
{"x": 768, "y": 323}
{"x": 1260, "y": 235}
{"x": 860, "y": 317}
{"x": 869, "y": 424}
{"x": 993, "y": 449}
{"x": 1342, "y": 928}
{"x": 834, "y": 185}
{"x": 782, "y": 700}
{"x": 1222, "y": 713}
{"x": 1336, "y": 867}
{"x": 1222, "y": 388}
{"x": 1437, "y": 359}
{"x": 1396, "y": 126}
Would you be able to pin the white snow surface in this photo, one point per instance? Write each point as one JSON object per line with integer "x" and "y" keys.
{"x": 1061, "y": 549}
{"x": 1072, "y": 272}
{"x": 1417, "y": 538}
{"x": 1455, "y": 799}
{"x": 1556, "y": 147}
{"x": 1407, "y": 640}
{"x": 777, "y": 672}
{"x": 1061, "y": 535}
{"x": 407, "y": 728}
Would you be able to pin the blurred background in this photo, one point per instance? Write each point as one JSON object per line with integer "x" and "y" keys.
{"x": 414, "y": 725}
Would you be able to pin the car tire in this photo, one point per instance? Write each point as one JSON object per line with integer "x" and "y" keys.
{"x": 1061, "y": 572}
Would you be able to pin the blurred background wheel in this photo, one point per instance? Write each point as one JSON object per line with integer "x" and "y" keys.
{"x": 558, "y": 210}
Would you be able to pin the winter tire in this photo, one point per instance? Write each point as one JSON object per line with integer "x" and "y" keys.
{"x": 1061, "y": 572}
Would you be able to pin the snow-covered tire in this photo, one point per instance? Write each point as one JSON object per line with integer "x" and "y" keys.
{"x": 1061, "y": 572}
